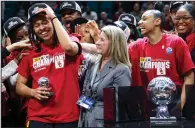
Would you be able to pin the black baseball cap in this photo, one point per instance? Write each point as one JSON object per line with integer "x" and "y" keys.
{"x": 159, "y": 5}
{"x": 121, "y": 25}
{"x": 128, "y": 19}
{"x": 79, "y": 21}
{"x": 70, "y": 5}
{"x": 176, "y": 4}
{"x": 32, "y": 10}
{"x": 11, "y": 24}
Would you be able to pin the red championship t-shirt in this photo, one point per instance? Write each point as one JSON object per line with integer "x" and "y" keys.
{"x": 169, "y": 57}
{"x": 62, "y": 72}
{"x": 190, "y": 40}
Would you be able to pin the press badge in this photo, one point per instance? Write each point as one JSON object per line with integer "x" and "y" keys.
{"x": 85, "y": 102}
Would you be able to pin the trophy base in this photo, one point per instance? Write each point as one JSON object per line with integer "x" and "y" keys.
{"x": 172, "y": 121}
{"x": 50, "y": 94}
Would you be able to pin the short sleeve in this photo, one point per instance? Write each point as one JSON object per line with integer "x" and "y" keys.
{"x": 75, "y": 39}
{"x": 133, "y": 50}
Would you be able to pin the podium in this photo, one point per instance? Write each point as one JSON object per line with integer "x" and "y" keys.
{"x": 124, "y": 104}
{"x": 189, "y": 107}
{"x": 130, "y": 104}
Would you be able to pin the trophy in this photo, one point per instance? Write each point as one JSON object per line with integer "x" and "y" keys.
{"x": 44, "y": 82}
{"x": 162, "y": 91}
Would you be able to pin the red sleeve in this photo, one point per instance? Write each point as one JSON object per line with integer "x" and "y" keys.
{"x": 74, "y": 38}
{"x": 11, "y": 56}
{"x": 134, "y": 46}
{"x": 24, "y": 67}
{"x": 184, "y": 60}
{"x": 133, "y": 50}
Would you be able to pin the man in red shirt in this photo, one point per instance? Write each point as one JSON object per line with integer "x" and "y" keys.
{"x": 159, "y": 54}
{"x": 57, "y": 58}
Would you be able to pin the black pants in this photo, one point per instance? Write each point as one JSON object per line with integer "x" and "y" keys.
{"x": 37, "y": 124}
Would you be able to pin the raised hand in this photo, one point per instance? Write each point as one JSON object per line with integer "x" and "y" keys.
{"x": 93, "y": 29}
{"x": 78, "y": 29}
{"x": 49, "y": 12}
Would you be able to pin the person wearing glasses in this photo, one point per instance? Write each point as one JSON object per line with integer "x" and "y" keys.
{"x": 173, "y": 7}
{"x": 185, "y": 26}
{"x": 160, "y": 54}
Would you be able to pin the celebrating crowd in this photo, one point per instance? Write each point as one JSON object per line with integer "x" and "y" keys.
{"x": 78, "y": 59}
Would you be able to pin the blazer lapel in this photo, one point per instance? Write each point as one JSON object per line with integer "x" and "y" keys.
{"x": 105, "y": 71}
{"x": 94, "y": 72}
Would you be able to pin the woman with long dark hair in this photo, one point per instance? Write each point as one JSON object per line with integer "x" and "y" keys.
{"x": 53, "y": 65}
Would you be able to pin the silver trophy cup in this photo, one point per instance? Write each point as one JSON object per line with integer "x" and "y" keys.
{"x": 44, "y": 82}
{"x": 161, "y": 91}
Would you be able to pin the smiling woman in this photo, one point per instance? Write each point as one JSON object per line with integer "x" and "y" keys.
{"x": 185, "y": 20}
{"x": 55, "y": 55}
{"x": 112, "y": 69}
{"x": 158, "y": 47}
{"x": 185, "y": 26}
{"x": 16, "y": 29}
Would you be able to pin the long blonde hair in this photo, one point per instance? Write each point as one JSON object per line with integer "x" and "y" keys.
{"x": 118, "y": 45}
